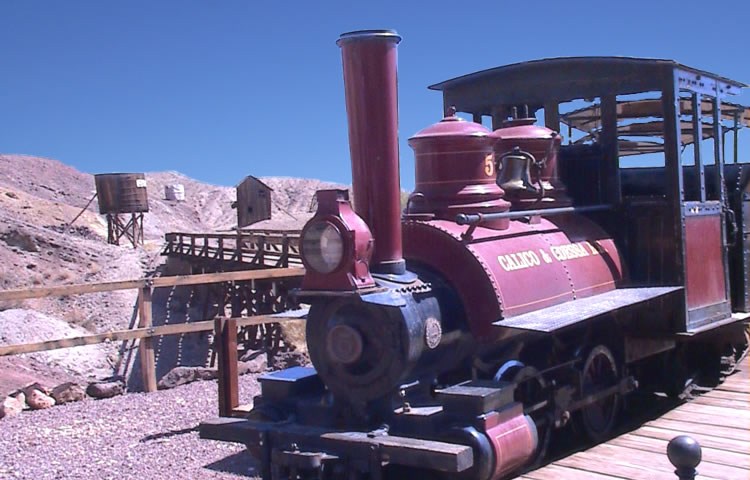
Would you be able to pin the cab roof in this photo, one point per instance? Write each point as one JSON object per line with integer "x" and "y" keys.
{"x": 567, "y": 78}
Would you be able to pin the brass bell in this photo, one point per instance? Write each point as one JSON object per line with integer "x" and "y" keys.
{"x": 514, "y": 172}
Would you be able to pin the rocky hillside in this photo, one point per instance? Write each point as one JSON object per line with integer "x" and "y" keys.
{"x": 39, "y": 196}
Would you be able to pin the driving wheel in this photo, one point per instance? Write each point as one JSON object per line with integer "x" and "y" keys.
{"x": 600, "y": 372}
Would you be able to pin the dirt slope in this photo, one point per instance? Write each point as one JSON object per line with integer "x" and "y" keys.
{"x": 39, "y": 196}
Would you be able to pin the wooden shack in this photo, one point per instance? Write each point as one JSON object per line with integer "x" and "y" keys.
{"x": 253, "y": 201}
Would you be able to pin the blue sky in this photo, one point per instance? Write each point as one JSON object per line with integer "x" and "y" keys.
{"x": 222, "y": 89}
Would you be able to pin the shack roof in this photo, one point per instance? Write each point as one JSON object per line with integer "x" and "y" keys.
{"x": 254, "y": 178}
{"x": 567, "y": 78}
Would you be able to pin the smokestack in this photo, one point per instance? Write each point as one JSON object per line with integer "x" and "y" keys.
{"x": 370, "y": 84}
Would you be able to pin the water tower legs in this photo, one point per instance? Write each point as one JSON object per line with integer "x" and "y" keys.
{"x": 132, "y": 230}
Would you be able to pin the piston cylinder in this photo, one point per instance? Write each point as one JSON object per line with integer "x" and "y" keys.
{"x": 513, "y": 439}
{"x": 370, "y": 84}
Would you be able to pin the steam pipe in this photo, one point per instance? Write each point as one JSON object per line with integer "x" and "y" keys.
{"x": 477, "y": 218}
{"x": 370, "y": 85}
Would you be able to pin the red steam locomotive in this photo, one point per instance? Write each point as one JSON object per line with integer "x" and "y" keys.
{"x": 527, "y": 284}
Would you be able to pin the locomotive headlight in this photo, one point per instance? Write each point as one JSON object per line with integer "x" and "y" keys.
{"x": 323, "y": 247}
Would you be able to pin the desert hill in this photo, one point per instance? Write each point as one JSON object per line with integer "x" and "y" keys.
{"x": 39, "y": 196}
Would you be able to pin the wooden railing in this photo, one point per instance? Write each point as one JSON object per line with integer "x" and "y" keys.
{"x": 264, "y": 249}
{"x": 145, "y": 330}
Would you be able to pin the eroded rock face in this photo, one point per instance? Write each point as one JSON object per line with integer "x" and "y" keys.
{"x": 107, "y": 389}
{"x": 10, "y": 407}
{"x": 68, "y": 392}
{"x": 39, "y": 400}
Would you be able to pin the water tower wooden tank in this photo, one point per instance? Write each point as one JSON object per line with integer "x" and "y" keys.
{"x": 123, "y": 198}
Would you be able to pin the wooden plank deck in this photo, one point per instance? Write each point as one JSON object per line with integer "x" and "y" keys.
{"x": 719, "y": 420}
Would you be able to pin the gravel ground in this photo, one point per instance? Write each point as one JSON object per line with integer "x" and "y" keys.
{"x": 144, "y": 436}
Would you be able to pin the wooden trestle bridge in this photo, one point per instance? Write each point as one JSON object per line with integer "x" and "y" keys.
{"x": 243, "y": 249}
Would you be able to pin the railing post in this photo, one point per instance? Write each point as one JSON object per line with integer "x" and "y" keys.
{"x": 169, "y": 238}
{"x": 146, "y": 346}
{"x": 262, "y": 250}
{"x": 225, "y": 335}
{"x": 284, "y": 252}
{"x": 238, "y": 246}
{"x": 685, "y": 454}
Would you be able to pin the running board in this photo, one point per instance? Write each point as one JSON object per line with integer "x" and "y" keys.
{"x": 569, "y": 313}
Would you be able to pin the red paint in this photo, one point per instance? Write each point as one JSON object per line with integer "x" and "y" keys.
{"x": 513, "y": 438}
{"x": 369, "y": 59}
{"x": 502, "y": 273}
{"x": 456, "y": 171}
{"x": 705, "y": 267}
{"x": 353, "y": 272}
{"x": 543, "y": 144}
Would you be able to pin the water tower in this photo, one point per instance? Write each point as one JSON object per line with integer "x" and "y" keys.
{"x": 123, "y": 198}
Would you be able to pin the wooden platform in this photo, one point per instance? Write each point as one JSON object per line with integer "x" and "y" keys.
{"x": 718, "y": 420}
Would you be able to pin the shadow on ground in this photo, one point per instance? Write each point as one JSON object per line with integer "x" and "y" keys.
{"x": 240, "y": 463}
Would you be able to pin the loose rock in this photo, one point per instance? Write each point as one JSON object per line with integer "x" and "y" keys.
{"x": 39, "y": 400}
{"x": 183, "y": 375}
{"x": 175, "y": 377}
{"x": 106, "y": 389}
{"x": 205, "y": 373}
{"x": 68, "y": 392}
{"x": 257, "y": 364}
{"x": 10, "y": 407}
{"x": 28, "y": 389}
{"x": 293, "y": 358}
{"x": 21, "y": 397}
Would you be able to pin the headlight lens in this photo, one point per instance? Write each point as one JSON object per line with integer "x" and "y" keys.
{"x": 323, "y": 247}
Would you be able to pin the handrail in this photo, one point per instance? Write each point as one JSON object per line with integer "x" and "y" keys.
{"x": 145, "y": 331}
{"x": 157, "y": 282}
{"x": 135, "y": 333}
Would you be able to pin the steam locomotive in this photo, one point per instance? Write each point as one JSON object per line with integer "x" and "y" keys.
{"x": 526, "y": 286}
